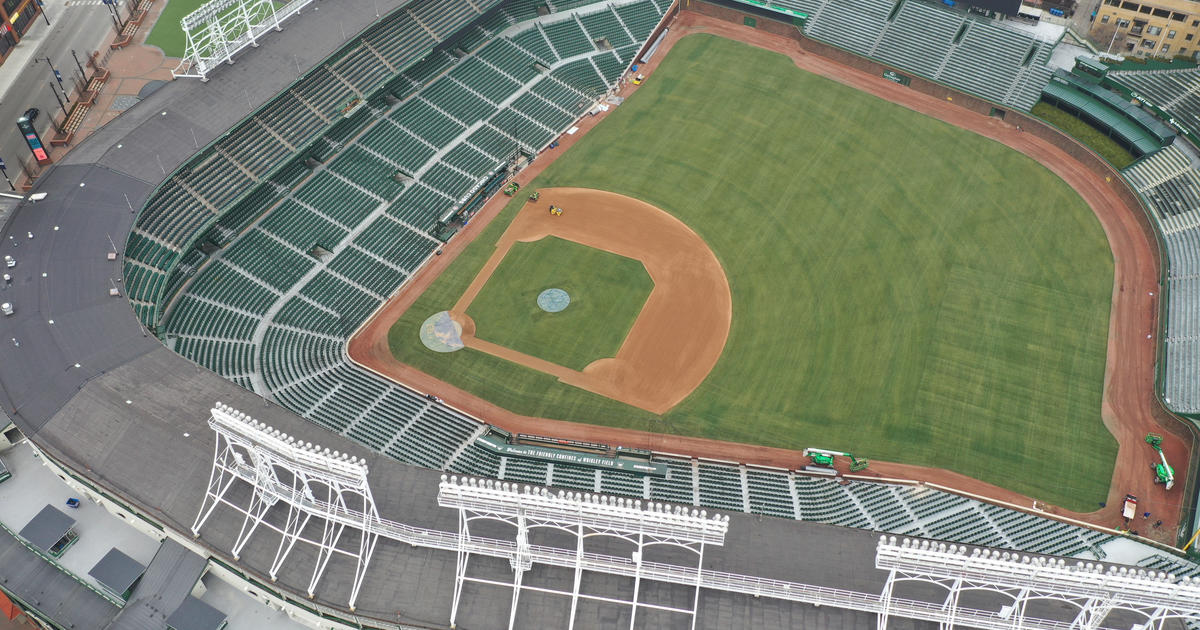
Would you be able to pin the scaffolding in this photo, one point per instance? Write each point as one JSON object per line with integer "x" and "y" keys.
{"x": 312, "y": 482}
{"x": 586, "y": 517}
{"x": 1099, "y": 595}
{"x": 220, "y": 29}
{"x": 331, "y": 490}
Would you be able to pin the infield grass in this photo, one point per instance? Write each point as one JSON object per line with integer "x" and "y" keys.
{"x": 607, "y": 292}
{"x": 902, "y": 289}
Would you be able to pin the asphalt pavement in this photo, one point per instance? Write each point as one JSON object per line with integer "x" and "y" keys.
{"x": 26, "y": 80}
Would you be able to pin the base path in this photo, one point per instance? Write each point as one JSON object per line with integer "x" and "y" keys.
{"x": 1129, "y": 407}
{"x": 679, "y": 333}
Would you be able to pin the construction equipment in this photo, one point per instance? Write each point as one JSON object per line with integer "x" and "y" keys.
{"x": 823, "y": 457}
{"x": 1163, "y": 473}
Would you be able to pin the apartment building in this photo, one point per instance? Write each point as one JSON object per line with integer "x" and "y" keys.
{"x": 1159, "y": 28}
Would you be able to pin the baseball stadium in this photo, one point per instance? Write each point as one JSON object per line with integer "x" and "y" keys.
{"x": 699, "y": 313}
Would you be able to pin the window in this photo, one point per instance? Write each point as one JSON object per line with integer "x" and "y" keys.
{"x": 1154, "y": 30}
{"x": 1147, "y": 43}
{"x": 1188, "y": 37}
{"x": 1183, "y": 51}
{"x": 1104, "y": 19}
{"x": 1195, "y": 22}
{"x": 1170, "y": 34}
{"x": 1166, "y": 48}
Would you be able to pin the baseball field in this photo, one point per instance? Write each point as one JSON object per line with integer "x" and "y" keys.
{"x": 901, "y": 288}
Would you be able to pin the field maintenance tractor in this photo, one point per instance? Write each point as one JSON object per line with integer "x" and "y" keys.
{"x": 1163, "y": 473}
{"x": 822, "y": 457}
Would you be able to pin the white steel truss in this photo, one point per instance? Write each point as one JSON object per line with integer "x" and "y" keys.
{"x": 313, "y": 483}
{"x": 282, "y": 470}
{"x": 585, "y": 516}
{"x": 1146, "y": 599}
{"x": 219, "y": 29}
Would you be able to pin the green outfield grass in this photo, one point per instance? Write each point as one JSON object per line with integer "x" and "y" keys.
{"x": 902, "y": 289}
{"x": 166, "y": 33}
{"x": 607, "y": 293}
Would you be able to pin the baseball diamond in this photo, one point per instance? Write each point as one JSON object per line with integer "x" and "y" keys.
{"x": 687, "y": 314}
{"x": 916, "y": 315}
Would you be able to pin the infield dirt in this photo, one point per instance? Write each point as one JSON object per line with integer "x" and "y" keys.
{"x": 680, "y": 332}
{"x": 1129, "y": 408}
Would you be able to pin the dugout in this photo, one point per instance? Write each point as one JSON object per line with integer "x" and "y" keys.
{"x": 1139, "y": 132}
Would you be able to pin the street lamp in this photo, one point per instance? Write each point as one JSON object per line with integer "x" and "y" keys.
{"x": 115, "y": 12}
{"x": 42, "y": 7}
{"x": 57, "y": 77}
{"x": 78, "y": 65}
{"x": 10, "y": 184}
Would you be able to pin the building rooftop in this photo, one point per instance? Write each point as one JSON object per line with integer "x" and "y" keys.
{"x": 47, "y": 528}
{"x": 194, "y": 614}
{"x": 116, "y": 571}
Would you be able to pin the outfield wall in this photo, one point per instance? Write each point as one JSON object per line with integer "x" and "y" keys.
{"x": 774, "y": 23}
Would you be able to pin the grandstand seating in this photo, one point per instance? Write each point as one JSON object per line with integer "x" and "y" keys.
{"x": 1176, "y": 91}
{"x": 988, "y": 58}
{"x": 200, "y": 191}
{"x": 1170, "y": 183}
{"x": 266, "y": 313}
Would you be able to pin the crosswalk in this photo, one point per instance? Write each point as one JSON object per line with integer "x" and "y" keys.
{"x": 88, "y": 3}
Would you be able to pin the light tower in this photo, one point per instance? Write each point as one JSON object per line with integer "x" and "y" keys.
{"x": 586, "y": 516}
{"x": 310, "y": 481}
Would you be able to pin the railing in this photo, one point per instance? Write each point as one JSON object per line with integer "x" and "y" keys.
{"x": 669, "y": 573}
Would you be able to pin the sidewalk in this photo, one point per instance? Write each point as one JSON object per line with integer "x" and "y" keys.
{"x": 134, "y": 72}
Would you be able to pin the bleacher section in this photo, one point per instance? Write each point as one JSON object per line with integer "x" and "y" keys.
{"x": 977, "y": 55}
{"x": 1170, "y": 184}
{"x": 1176, "y": 91}
{"x": 195, "y": 197}
{"x": 272, "y": 309}
{"x": 269, "y": 314}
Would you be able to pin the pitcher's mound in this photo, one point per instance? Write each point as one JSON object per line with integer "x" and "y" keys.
{"x": 441, "y": 333}
{"x": 553, "y": 300}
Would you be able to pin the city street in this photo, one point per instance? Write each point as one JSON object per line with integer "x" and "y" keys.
{"x": 26, "y": 78}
